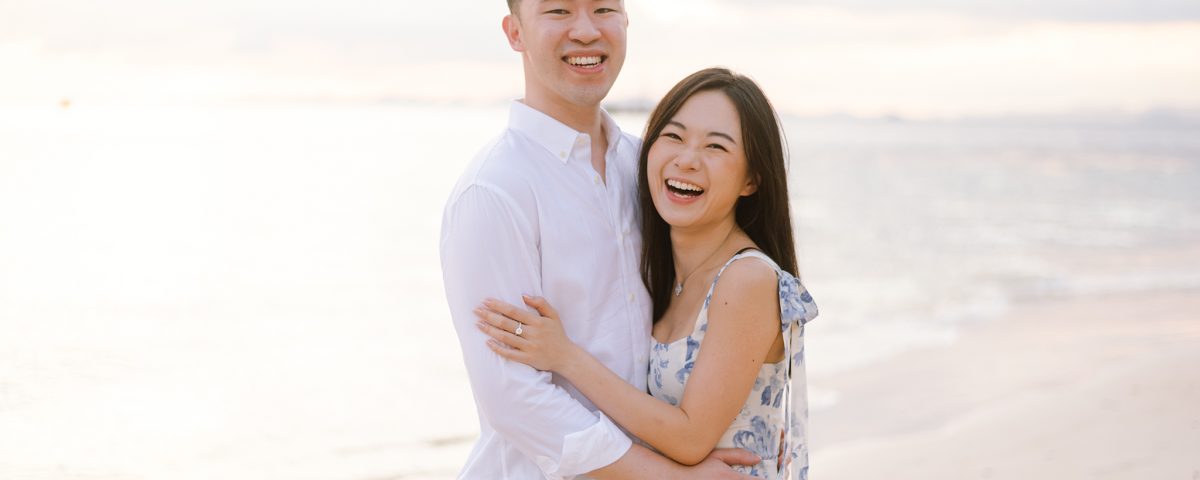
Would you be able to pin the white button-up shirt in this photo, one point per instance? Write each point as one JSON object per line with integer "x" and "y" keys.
{"x": 531, "y": 216}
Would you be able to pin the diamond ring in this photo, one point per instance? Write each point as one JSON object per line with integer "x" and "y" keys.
{"x": 520, "y": 329}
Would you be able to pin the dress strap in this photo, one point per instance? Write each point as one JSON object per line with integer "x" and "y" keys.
{"x": 743, "y": 253}
{"x": 702, "y": 322}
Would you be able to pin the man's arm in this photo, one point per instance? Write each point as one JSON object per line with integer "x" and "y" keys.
{"x": 640, "y": 462}
{"x": 489, "y": 249}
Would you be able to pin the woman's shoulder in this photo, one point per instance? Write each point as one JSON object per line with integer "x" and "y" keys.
{"x": 747, "y": 282}
{"x": 749, "y": 269}
{"x": 752, "y": 268}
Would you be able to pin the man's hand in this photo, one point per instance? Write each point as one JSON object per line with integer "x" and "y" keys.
{"x": 639, "y": 462}
{"x": 716, "y": 464}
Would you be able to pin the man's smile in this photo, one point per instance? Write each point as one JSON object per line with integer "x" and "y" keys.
{"x": 585, "y": 61}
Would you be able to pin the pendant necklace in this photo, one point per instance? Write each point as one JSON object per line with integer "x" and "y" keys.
{"x": 679, "y": 285}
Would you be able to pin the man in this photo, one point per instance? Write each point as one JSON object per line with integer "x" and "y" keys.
{"x": 550, "y": 209}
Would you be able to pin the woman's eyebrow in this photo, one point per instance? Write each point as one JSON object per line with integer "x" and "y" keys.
{"x": 722, "y": 135}
{"x": 711, "y": 134}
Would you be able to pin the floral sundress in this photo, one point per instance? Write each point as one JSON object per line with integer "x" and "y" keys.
{"x": 774, "y": 420}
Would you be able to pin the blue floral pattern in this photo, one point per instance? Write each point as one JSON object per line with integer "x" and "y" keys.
{"x": 774, "y": 419}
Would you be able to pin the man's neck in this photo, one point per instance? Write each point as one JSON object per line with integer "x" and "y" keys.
{"x": 582, "y": 118}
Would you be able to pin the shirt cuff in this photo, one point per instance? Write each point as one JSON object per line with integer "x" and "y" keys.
{"x": 593, "y": 448}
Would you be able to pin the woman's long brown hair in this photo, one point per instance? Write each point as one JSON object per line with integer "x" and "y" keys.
{"x": 764, "y": 215}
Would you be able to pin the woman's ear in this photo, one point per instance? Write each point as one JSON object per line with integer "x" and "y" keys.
{"x": 751, "y": 186}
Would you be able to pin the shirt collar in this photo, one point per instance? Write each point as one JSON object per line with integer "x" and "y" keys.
{"x": 553, "y": 135}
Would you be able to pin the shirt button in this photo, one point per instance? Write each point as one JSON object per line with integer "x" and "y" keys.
{"x": 631, "y": 297}
{"x": 562, "y": 154}
{"x": 596, "y": 180}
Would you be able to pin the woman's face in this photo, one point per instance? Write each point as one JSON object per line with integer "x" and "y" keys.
{"x": 696, "y": 168}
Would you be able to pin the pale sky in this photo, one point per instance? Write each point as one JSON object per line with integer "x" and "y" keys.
{"x": 918, "y": 58}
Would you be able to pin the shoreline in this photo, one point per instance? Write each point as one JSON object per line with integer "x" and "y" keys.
{"x": 1078, "y": 387}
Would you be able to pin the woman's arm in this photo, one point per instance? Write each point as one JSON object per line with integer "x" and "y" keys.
{"x": 743, "y": 326}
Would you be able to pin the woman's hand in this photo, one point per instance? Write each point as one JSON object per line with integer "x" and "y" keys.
{"x": 535, "y": 339}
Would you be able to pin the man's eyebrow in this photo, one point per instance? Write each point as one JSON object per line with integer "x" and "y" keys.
{"x": 711, "y": 134}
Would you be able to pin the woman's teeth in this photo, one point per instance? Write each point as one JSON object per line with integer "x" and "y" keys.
{"x": 683, "y": 188}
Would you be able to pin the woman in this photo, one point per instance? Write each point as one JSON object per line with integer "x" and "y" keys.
{"x": 728, "y": 334}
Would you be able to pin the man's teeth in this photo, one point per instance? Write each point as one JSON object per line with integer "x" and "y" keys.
{"x": 684, "y": 186}
{"x": 583, "y": 61}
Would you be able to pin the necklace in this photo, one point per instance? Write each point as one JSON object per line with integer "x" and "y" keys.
{"x": 679, "y": 285}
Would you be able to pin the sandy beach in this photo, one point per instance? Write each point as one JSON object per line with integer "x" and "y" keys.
{"x": 1074, "y": 388}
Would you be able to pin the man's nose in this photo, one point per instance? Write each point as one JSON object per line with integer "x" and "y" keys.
{"x": 584, "y": 29}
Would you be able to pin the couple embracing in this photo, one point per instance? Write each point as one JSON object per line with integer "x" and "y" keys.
{"x": 627, "y": 308}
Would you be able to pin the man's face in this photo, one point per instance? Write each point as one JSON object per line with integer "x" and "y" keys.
{"x": 573, "y": 49}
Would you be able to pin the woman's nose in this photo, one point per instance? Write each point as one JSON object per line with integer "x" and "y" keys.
{"x": 687, "y": 159}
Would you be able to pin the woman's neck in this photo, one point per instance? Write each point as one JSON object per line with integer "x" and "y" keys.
{"x": 692, "y": 248}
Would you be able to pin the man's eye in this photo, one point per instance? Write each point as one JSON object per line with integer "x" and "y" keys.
{"x": 557, "y": 11}
{"x": 606, "y": 10}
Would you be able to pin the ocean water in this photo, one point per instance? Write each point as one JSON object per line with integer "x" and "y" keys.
{"x": 908, "y": 230}
{"x": 254, "y": 292}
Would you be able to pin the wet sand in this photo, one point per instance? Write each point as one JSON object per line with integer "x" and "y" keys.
{"x": 1087, "y": 387}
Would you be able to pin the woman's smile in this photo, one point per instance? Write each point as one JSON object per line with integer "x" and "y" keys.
{"x": 683, "y": 192}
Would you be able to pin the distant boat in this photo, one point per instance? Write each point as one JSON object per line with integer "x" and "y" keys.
{"x": 64, "y": 103}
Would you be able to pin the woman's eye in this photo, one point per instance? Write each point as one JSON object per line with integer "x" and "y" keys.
{"x": 718, "y": 146}
{"x": 671, "y": 136}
